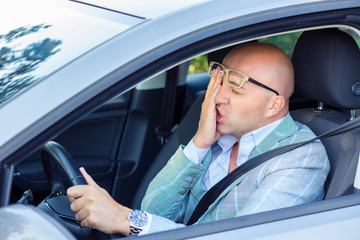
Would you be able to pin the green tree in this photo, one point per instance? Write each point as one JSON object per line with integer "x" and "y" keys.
{"x": 199, "y": 64}
{"x": 285, "y": 42}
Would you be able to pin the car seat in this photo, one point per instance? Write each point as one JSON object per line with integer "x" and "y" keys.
{"x": 327, "y": 70}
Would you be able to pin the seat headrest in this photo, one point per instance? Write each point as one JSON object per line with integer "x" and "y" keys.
{"x": 219, "y": 55}
{"x": 327, "y": 68}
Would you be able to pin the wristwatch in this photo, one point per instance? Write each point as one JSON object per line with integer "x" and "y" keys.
{"x": 138, "y": 219}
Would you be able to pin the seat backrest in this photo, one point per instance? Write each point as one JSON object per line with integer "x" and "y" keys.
{"x": 327, "y": 69}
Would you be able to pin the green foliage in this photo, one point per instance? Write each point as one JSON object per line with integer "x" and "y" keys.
{"x": 285, "y": 42}
{"x": 199, "y": 64}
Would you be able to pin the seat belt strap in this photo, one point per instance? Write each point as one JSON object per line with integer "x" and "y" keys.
{"x": 164, "y": 129}
{"x": 214, "y": 192}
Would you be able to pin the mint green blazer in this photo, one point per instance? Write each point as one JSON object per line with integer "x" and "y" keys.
{"x": 293, "y": 178}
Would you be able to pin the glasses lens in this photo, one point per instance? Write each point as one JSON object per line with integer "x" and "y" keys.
{"x": 214, "y": 66}
{"x": 235, "y": 79}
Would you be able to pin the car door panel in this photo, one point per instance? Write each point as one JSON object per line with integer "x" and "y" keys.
{"x": 93, "y": 143}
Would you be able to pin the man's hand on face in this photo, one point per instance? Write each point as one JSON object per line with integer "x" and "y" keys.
{"x": 207, "y": 133}
{"x": 95, "y": 208}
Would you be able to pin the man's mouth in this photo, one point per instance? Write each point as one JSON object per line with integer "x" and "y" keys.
{"x": 219, "y": 117}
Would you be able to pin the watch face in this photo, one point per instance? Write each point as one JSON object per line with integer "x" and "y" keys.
{"x": 138, "y": 218}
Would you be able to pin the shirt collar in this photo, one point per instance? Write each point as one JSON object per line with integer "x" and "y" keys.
{"x": 260, "y": 133}
{"x": 227, "y": 141}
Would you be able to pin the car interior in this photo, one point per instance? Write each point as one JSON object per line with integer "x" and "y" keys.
{"x": 124, "y": 144}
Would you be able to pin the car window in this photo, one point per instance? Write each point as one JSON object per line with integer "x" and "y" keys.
{"x": 286, "y": 42}
{"x": 198, "y": 78}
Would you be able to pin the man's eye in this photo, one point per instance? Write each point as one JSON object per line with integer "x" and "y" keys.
{"x": 234, "y": 91}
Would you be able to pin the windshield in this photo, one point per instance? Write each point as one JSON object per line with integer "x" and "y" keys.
{"x": 37, "y": 37}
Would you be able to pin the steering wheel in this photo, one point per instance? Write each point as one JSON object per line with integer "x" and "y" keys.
{"x": 54, "y": 155}
{"x": 56, "y": 159}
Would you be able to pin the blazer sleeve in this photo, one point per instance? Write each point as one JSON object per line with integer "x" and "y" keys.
{"x": 167, "y": 193}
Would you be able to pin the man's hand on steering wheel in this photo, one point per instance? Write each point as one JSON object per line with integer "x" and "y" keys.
{"x": 95, "y": 208}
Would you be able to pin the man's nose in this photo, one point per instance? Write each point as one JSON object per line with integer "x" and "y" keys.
{"x": 222, "y": 96}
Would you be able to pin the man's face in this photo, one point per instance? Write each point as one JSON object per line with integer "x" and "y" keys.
{"x": 241, "y": 110}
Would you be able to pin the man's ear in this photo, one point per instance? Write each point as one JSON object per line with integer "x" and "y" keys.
{"x": 275, "y": 105}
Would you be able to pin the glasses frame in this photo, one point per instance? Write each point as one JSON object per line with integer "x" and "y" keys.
{"x": 246, "y": 78}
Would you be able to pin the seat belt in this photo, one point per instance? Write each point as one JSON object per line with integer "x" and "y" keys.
{"x": 164, "y": 129}
{"x": 214, "y": 192}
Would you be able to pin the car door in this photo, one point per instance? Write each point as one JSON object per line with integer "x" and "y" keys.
{"x": 116, "y": 143}
{"x": 93, "y": 143}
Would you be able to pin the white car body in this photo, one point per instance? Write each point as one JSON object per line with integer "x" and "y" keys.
{"x": 140, "y": 33}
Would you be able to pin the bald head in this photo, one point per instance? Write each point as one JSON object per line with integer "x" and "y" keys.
{"x": 266, "y": 64}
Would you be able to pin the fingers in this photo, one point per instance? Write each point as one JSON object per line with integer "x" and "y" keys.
{"x": 71, "y": 199}
{"x": 85, "y": 215}
{"x": 96, "y": 208}
{"x": 77, "y": 192}
{"x": 214, "y": 86}
{"x": 79, "y": 204}
{"x": 213, "y": 89}
{"x": 85, "y": 201}
{"x": 214, "y": 82}
{"x": 207, "y": 133}
{"x": 87, "y": 222}
{"x": 87, "y": 177}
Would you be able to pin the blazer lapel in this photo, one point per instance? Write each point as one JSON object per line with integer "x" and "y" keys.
{"x": 285, "y": 129}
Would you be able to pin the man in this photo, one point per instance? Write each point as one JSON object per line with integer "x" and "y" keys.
{"x": 245, "y": 113}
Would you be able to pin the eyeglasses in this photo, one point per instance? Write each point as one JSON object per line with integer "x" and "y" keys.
{"x": 235, "y": 78}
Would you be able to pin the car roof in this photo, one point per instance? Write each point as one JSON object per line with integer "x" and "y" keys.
{"x": 157, "y": 8}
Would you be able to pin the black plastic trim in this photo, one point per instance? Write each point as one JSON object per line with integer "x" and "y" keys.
{"x": 108, "y": 9}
